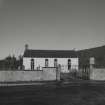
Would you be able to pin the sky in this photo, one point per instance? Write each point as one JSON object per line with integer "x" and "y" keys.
{"x": 50, "y": 24}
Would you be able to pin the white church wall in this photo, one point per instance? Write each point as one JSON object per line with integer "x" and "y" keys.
{"x": 40, "y": 62}
{"x": 26, "y": 63}
{"x": 74, "y": 63}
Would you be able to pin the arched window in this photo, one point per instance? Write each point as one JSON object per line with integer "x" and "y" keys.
{"x": 69, "y": 64}
{"x": 32, "y": 64}
{"x": 55, "y": 62}
{"x": 46, "y": 62}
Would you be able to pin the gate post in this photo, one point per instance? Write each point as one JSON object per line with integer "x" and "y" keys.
{"x": 58, "y": 70}
{"x": 92, "y": 62}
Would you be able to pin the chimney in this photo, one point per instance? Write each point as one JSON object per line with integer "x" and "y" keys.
{"x": 26, "y": 46}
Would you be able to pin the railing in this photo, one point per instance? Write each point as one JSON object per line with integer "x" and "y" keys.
{"x": 85, "y": 71}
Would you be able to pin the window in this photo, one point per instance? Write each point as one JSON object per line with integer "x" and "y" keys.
{"x": 69, "y": 64}
{"x": 32, "y": 64}
{"x": 55, "y": 62}
{"x": 46, "y": 62}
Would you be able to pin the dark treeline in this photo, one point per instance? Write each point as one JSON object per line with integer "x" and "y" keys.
{"x": 11, "y": 63}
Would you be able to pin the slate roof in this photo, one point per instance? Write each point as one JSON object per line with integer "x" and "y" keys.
{"x": 92, "y": 52}
{"x": 50, "y": 53}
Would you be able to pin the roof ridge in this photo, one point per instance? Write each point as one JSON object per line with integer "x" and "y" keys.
{"x": 48, "y": 50}
{"x": 49, "y": 53}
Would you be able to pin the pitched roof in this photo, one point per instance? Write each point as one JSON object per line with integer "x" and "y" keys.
{"x": 50, "y": 53}
{"x": 95, "y": 52}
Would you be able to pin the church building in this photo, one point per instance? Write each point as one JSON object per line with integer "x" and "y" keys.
{"x": 37, "y": 59}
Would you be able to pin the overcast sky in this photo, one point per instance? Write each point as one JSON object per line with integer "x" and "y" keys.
{"x": 51, "y": 24}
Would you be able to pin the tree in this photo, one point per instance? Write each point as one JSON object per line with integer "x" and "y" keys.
{"x": 10, "y": 63}
{"x": 20, "y": 62}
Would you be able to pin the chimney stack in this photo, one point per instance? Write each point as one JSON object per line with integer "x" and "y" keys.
{"x": 26, "y": 46}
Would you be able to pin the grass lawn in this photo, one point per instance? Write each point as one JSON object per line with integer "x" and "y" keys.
{"x": 63, "y": 94}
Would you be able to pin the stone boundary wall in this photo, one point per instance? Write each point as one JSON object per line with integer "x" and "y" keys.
{"x": 42, "y": 75}
{"x": 97, "y": 74}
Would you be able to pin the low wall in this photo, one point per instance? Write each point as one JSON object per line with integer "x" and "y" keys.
{"x": 13, "y": 76}
{"x": 49, "y": 74}
{"x": 97, "y": 74}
